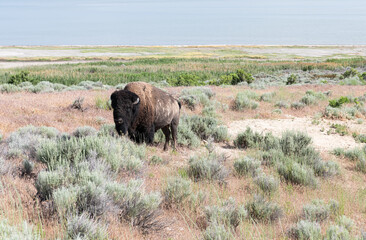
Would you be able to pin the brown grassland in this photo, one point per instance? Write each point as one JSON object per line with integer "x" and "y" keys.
{"x": 19, "y": 201}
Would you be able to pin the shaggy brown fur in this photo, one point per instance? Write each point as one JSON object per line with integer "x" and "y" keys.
{"x": 156, "y": 109}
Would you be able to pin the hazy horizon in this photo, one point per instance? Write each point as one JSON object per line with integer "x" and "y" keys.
{"x": 163, "y": 22}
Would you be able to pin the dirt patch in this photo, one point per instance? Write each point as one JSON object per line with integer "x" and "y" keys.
{"x": 321, "y": 139}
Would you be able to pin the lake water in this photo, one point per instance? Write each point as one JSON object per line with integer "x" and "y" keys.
{"x": 182, "y": 22}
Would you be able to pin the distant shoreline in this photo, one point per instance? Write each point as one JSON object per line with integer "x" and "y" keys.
{"x": 20, "y": 56}
{"x": 195, "y": 45}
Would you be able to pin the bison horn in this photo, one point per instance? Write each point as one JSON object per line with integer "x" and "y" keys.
{"x": 137, "y": 101}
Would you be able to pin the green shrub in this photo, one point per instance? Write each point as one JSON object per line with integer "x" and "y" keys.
{"x": 261, "y": 210}
{"x": 309, "y": 100}
{"x": 21, "y": 231}
{"x": 282, "y": 104}
{"x": 102, "y": 103}
{"x": 267, "y": 97}
{"x": 27, "y": 167}
{"x": 334, "y": 113}
{"x": 9, "y": 88}
{"x": 292, "y": 79}
{"x": 250, "y": 139}
{"x": 186, "y": 79}
{"x": 191, "y": 97}
{"x": 119, "y": 153}
{"x": 137, "y": 207}
{"x": 209, "y": 111}
{"x": 294, "y": 143}
{"x": 193, "y": 128}
{"x": 318, "y": 95}
{"x": 242, "y": 76}
{"x": 296, "y": 160}
{"x": 350, "y": 73}
{"x": 363, "y": 236}
{"x": 210, "y": 167}
{"x": 361, "y": 165}
{"x": 65, "y": 199}
{"x": 234, "y": 78}
{"x": 326, "y": 169}
{"x": 278, "y": 111}
{"x": 26, "y": 140}
{"x": 360, "y": 138}
{"x": 91, "y": 85}
{"x": 107, "y": 130}
{"x": 49, "y": 181}
{"x": 244, "y": 100}
{"x": 5, "y": 167}
{"x": 267, "y": 184}
{"x": 156, "y": 160}
{"x": 355, "y": 154}
{"x": 336, "y": 103}
{"x": 340, "y": 129}
{"x": 177, "y": 190}
{"x": 245, "y": 165}
{"x": 186, "y": 136}
{"x": 85, "y": 228}
{"x": 271, "y": 157}
{"x": 228, "y": 214}
{"x": 19, "y": 78}
{"x": 305, "y": 230}
{"x": 345, "y": 222}
{"x": 84, "y": 131}
{"x": 297, "y": 174}
{"x": 319, "y": 211}
{"x": 297, "y": 105}
{"x": 216, "y": 231}
{"x": 337, "y": 233}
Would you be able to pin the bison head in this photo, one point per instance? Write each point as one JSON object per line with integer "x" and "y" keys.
{"x": 125, "y": 106}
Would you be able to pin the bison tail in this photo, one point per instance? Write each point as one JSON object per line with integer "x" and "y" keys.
{"x": 180, "y": 105}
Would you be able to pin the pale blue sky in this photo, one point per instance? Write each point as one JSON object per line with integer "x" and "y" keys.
{"x": 175, "y": 22}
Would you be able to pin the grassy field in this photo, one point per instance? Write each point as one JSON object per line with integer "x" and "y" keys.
{"x": 280, "y": 155}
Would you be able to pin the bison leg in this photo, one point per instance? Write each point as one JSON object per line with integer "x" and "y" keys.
{"x": 174, "y": 127}
{"x": 149, "y": 136}
{"x": 166, "y": 132}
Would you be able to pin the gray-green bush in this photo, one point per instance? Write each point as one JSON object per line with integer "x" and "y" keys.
{"x": 193, "y": 129}
{"x": 292, "y": 155}
{"x": 267, "y": 184}
{"x": 305, "y": 230}
{"x": 336, "y": 232}
{"x": 245, "y": 100}
{"x": 191, "y": 97}
{"x": 83, "y": 227}
{"x": 228, "y": 213}
{"x": 208, "y": 167}
{"x": 345, "y": 222}
{"x": 84, "y": 131}
{"x": 319, "y": 211}
{"x": 259, "y": 209}
{"x": 26, "y": 140}
{"x": 177, "y": 190}
{"x": 21, "y": 231}
{"x": 216, "y": 231}
{"x": 246, "y": 165}
{"x": 282, "y": 104}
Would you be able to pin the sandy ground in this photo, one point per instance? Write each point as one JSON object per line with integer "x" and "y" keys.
{"x": 314, "y": 51}
{"x": 321, "y": 139}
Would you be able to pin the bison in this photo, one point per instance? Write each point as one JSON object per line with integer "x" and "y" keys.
{"x": 141, "y": 109}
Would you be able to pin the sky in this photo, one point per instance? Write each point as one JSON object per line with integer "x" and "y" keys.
{"x": 182, "y": 22}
